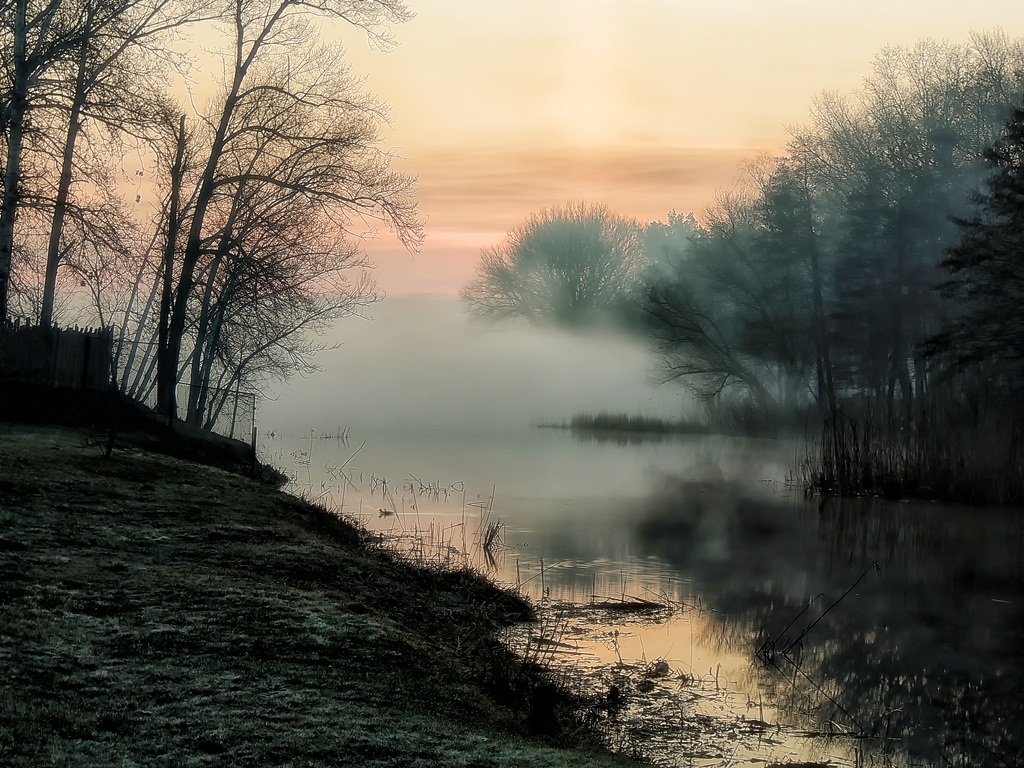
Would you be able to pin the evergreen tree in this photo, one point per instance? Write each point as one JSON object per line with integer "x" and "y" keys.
{"x": 987, "y": 265}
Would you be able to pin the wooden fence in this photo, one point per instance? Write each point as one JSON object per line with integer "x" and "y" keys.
{"x": 57, "y": 357}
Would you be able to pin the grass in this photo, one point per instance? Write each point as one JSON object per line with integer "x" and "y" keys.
{"x": 718, "y": 418}
{"x": 155, "y": 611}
{"x": 956, "y": 454}
{"x": 622, "y": 422}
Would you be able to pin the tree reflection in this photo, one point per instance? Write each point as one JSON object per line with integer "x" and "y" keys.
{"x": 922, "y": 658}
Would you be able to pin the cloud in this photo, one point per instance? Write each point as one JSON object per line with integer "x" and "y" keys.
{"x": 472, "y": 197}
{"x": 493, "y": 189}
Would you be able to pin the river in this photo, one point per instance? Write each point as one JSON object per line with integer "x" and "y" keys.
{"x": 727, "y": 620}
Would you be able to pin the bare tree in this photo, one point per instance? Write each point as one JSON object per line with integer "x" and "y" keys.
{"x": 698, "y": 351}
{"x": 888, "y": 169}
{"x": 109, "y": 77}
{"x": 729, "y": 308}
{"x": 284, "y": 91}
{"x": 565, "y": 264}
{"x": 820, "y": 276}
{"x": 35, "y": 38}
{"x": 57, "y": 56}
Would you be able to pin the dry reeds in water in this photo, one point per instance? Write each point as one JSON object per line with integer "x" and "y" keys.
{"x": 490, "y": 541}
{"x": 956, "y": 454}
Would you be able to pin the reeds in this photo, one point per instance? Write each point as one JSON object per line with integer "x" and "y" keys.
{"x": 490, "y": 542}
{"x": 627, "y": 429}
{"x": 957, "y": 454}
{"x": 718, "y": 418}
{"x": 622, "y": 422}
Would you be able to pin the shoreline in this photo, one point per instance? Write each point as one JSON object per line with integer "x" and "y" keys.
{"x": 157, "y": 610}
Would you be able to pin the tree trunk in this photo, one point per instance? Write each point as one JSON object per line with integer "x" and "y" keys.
{"x": 823, "y": 355}
{"x": 171, "y": 348}
{"x": 167, "y": 356}
{"x": 897, "y": 331}
{"x": 142, "y": 380}
{"x": 136, "y": 346}
{"x": 205, "y": 408}
{"x": 204, "y": 345}
{"x": 15, "y": 129}
{"x": 170, "y": 345}
{"x": 60, "y": 204}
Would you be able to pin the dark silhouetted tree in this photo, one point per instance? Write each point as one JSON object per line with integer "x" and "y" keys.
{"x": 734, "y": 311}
{"x": 34, "y": 37}
{"x": 888, "y": 170}
{"x": 818, "y": 277}
{"x": 290, "y": 128}
{"x": 987, "y": 265}
{"x": 108, "y": 87}
{"x": 66, "y": 65}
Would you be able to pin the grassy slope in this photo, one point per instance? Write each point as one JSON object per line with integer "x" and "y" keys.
{"x": 157, "y": 612}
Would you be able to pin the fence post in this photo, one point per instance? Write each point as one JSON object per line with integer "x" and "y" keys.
{"x": 84, "y": 377}
{"x": 234, "y": 411}
{"x": 51, "y": 336}
{"x": 255, "y": 463}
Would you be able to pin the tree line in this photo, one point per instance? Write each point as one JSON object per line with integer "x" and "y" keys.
{"x": 261, "y": 193}
{"x": 875, "y": 262}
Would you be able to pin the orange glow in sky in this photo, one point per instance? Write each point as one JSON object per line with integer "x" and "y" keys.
{"x": 503, "y": 108}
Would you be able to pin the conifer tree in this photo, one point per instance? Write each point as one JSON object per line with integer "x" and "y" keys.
{"x": 987, "y": 265}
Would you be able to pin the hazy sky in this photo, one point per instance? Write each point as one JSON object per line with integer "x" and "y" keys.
{"x": 504, "y": 107}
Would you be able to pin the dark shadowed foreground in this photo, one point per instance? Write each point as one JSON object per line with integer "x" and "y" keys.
{"x": 155, "y": 611}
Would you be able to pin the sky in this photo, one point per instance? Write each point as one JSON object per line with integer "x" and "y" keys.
{"x": 501, "y": 108}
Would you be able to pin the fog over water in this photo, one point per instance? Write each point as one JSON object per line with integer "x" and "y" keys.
{"x": 905, "y": 616}
{"x": 422, "y": 364}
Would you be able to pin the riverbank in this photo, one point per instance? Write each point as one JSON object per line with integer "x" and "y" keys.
{"x": 156, "y": 611}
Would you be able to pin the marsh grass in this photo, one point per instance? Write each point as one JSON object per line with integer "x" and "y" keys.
{"x": 716, "y": 418}
{"x": 156, "y": 611}
{"x": 491, "y": 542}
{"x": 626, "y": 604}
{"x": 653, "y": 708}
{"x": 626, "y": 428}
{"x": 958, "y": 454}
{"x": 620, "y": 422}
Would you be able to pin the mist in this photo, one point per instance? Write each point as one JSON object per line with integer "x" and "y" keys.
{"x": 730, "y": 435}
{"x": 421, "y": 363}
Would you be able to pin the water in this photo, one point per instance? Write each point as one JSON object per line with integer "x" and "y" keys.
{"x": 889, "y": 633}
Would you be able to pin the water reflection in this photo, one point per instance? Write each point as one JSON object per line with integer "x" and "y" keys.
{"x": 922, "y": 653}
{"x": 625, "y": 437}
